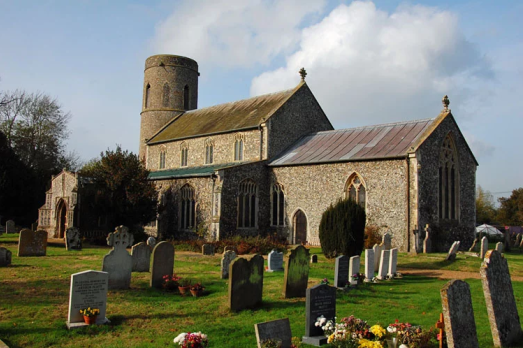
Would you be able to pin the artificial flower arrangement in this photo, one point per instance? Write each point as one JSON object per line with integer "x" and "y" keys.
{"x": 170, "y": 282}
{"x": 89, "y": 312}
{"x": 192, "y": 340}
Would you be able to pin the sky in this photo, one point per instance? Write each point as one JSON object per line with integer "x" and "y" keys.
{"x": 368, "y": 62}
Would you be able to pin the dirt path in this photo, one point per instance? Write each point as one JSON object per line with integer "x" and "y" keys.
{"x": 442, "y": 274}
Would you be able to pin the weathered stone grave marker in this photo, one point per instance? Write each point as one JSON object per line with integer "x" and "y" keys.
{"x": 377, "y": 255}
{"x": 72, "y": 239}
{"x": 88, "y": 289}
{"x": 245, "y": 282}
{"x": 141, "y": 254}
{"x": 459, "y": 316}
{"x": 369, "y": 265}
{"x": 5, "y": 257}
{"x": 386, "y": 242}
{"x": 341, "y": 271}
{"x": 279, "y": 330}
{"x": 275, "y": 261}
{"x": 393, "y": 262}
{"x": 499, "y": 297}
{"x": 507, "y": 240}
{"x": 451, "y": 256}
{"x": 163, "y": 263}
{"x": 10, "y": 226}
{"x": 474, "y": 246}
{"x": 384, "y": 265}
{"x": 499, "y": 247}
{"x": 208, "y": 249}
{"x": 118, "y": 263}
{"x": 427, "y": 242}
{"x": 296, "y": 274}
{"x": 321, "y": 300}
{"x": 314, "y": 258}
{"x": 484, "y": 247}
{"x": 227, "y": 258}
{"x": 151, "y": 242}
{"x": 32, "y": 243}
{"x": 354, "y": 269}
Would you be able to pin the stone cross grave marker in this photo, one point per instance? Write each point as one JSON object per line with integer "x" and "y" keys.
{"x": 151, "y": 242}
{"x": 32, "y": 243}
{"x": 208, "y": 249}
{"x": 88, "y": 289}
{"x": 321, "y": 300}
{"x": 384, "y": 265}
{"x": 5, "y": 257}
{"x": 279, "y": 330}
{"x": 245, "y": 282}
{"x": 377, "y": 255}
{"x": 296, "y": 275}
{"x": 72, "y": 239}
{"x": 459, "y": 316}
{"x": 275, "y": 261}
{"x": 341, "y": 271}
{"x": 369, "y": 265}
{"x": 499, "y": 297}
{"x": 484, "y": 247}
{"x": 499, "y": 247}
{"x": 118, "y": 263}
{"x": 386, "y": 242}
{"x": 10, "y": 226}
{"x": 141, "y": 254}
{"x": 163, "y": 263}
{"x": 227, "y": 258}
{"x": 354, "y": 268}
{"x": 427, "y": 242}
{"x": 393, "y": 262}
{"x": 314, "y": 258}
{"x": 451, "y": 256}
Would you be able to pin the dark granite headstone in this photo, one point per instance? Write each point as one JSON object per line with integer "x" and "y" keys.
{"x": 5, "y": 257}
{"x": 245, "y": 282}
{"x": 227, "y": 258}
{"x": 32, "y": 243}
{"x": 163, "y": 263}
{"x": 72, "y": 239}
{"x": 341, "y": 271}
{"x": 296, "y": 274}
{"x": 279, "y": 330}
{"x": 314, "y": 258}
{"x": 208, "y": 249}
{"x": 321, "y": 300}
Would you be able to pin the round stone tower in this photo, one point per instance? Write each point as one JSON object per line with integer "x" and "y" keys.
{"x": 170, "y": 87}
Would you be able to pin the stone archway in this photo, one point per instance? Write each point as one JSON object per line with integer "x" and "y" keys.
{"x": 299, "y": 223}
{"x": 61, "y": 219}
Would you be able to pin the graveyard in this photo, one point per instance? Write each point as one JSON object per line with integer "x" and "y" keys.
{"x": 35, "y": 298}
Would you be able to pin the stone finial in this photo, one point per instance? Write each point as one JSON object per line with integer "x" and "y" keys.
{"x": 303, "y": 73}
{"x": 446, "y": 103}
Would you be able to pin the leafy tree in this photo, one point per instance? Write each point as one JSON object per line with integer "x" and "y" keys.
{"x": 122, "y": 191}
{"x": 510, "y": 211}
{"x": 485, "y": 210}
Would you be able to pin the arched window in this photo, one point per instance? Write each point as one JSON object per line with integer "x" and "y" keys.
{"x": 277, "y": 205}
{"x": 355, "y": 190}
{"x": 162, "y": 159}
{"x": 448, "y": 179}
{"x": 247, "y": 204}
{"x": 184, "y": 152}
{"x": 209, "y": 151}
{"x": 147, "y": 95}
{"x": 165, "y": 97}
{"x": 238, "y": 148}
{"x": 186, "y": 97}
{"x": 187, "y": 208}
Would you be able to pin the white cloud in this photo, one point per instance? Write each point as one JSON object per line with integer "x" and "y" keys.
{"x": 367, "y": 66}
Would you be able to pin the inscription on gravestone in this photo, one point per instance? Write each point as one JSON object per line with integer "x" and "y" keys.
{"x": 88, "y": 289}
{"x": 321, "y": 300}
{"x": 279, "y": 330}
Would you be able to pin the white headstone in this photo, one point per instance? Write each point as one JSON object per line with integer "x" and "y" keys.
{"x": 484, "y": 247}
{"x": 499, "y": 247}
{"x": 451, "y": 256}
{"x": 354, "y": 268}
{"x": 88, "y": 289}
{"x": 384, "y": 265}
{"x": 393, "y": 262}
{"x": 118, "y": 263}
{"x": 377, "y": 255}
{"x": 275, "y": 261}
{"x": 369, "y": 264}
{"x": 227, "y": 258}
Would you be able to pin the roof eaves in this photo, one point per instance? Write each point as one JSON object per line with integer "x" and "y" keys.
{"x": 361, "y": 159}
{"x": 200, "y": 135}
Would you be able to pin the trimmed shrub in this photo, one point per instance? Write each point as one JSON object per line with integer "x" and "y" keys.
{"x": 242, "y": 245}
{"x": 372, "y": 236}
{"x": 342, "y": 229}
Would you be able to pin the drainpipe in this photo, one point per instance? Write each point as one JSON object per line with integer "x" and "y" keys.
{"x": 408, "y": 204}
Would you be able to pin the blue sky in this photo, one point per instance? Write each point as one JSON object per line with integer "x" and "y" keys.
{"x": 368, "y": 63}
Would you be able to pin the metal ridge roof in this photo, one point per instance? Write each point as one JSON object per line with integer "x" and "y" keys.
{"x": 200, "y": 171}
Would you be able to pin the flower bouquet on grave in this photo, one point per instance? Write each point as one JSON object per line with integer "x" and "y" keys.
{"x": 184, "y": 284}
{"x": 324, "y": 281}
{"x": 358, "y": 277}
{"x": 271, "y": 343}
{"x": 90, "y": 315}
{"x": 170, "y": 282}
{"x": 192, "y": 340}
{"x": 197, "y": 289}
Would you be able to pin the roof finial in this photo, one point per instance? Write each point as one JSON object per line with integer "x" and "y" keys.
{"x": 303, "y": 73}
{"x": 446, "y": 103}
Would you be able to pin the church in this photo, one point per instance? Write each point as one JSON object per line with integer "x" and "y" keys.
{"x": 272, "y": 164}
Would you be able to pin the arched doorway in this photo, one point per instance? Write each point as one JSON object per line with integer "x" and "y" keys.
{"x": 300, "y": 227}
{"x": 61, "y": 219}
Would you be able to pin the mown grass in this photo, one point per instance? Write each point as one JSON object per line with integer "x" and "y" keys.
{"x": 34, "y": 295}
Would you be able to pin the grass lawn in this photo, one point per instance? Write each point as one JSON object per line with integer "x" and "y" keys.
{"x": 34, "y": 293}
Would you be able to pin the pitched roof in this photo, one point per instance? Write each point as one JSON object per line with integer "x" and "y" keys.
{"x": 389, "y": 140}
{"x": 186, "y": 172}
{"x": 242, "y": 114}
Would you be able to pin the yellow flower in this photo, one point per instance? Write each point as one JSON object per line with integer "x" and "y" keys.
{"x": 364, "y": 343}
{"x": 378, "y": 331}
{"x": 331, "y": 338}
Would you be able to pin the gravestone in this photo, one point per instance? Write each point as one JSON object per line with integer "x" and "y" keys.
{"x": 88, "y": 289}
{"x": 321, "y": 300}
{"x": 279, "y": 330}
{"x": 451, "y": 256}
{"x": 245, "y": 282}
{"x": 377, "y": 255}
{"x": 296, "y": 274}
{"x": 72, "y": 239}
{"x": 354, "y": 268}
{"x": 474, "y": 247}
{"x": 314, "y": 258}
{"x": 10, "y": 226}
{"x": 460, "y": 326}
{"x": 118, "y": 263}
{"x": 341, "y": 271}
{"x": 163, "y": 263}
{"x": 386, "y": 242}
{"x": 34, "y": 226}
{"x": 208, "y": 249}
{"x": 499, "y": 247}
{"x": 141, "y": 254}
{"x": 393, "y": 262}
{"x": 484, "y": 247}
{"x": 229, "y": 247}
{"x": 275, "y": 261}
{"x": 151, "y": 242}
{"x": 227, "y": 258}
{"x": 427, "y": 242}
{"x": 507, "y": 240}
{"x": 499, "y": 297}
{"x": 518, "y": 240}
{"x": 5, "y": 257}
{"x": 384, "y": 265}
{"x": 369, "y": 265}
{"x": 32, "y": 243}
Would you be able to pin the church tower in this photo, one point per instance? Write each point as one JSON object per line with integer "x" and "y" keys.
{"x": 170, "y": 87}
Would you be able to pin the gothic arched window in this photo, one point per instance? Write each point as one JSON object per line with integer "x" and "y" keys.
{"x": 186, "y": 97}
{"x": 448, "y": 179}
{"x": 209, "y": 151}
{"x": 184, "y": 152}
{"x": 355, "y": 190}
{"x": 277, "y": 205}
{"x": 247, "y": 204}
{"x": 238, "y": 148}
{"x": 165, "y": 97}
{"x": 162, "y": 159}
{"x": 187, "y": 208}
